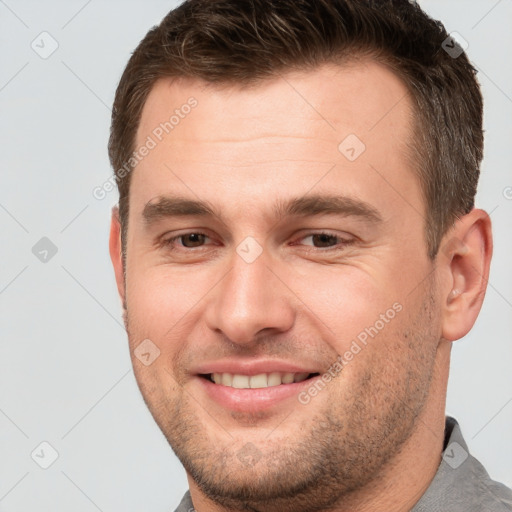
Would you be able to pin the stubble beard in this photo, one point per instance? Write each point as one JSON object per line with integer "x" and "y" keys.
{"x": 342, "y": 447}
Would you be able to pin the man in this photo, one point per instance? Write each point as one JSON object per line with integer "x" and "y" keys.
{"x": 296, "y": 248}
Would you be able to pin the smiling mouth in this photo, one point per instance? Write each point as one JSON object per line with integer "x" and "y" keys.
{"x": 262, "y": 380}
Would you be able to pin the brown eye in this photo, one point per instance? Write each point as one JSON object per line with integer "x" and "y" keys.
{"x": 192, "y": 239}
{"x": 324, "y": 240}
{"x": 186, "y": 240}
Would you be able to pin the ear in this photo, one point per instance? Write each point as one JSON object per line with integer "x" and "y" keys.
{"x": 115, "y": 249}
{"x": 464, "y": 260}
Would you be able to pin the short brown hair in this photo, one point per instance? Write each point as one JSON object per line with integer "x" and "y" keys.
{"x": 245, "y": 41}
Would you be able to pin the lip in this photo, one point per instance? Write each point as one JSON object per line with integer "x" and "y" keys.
{"x": 253, "y": 400}
{"x": 253, "y": 367}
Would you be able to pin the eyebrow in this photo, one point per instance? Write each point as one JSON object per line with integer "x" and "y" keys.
{"x": 312, "y": 205}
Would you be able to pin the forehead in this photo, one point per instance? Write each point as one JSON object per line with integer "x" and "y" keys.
{"x": 284, "y": 131}
{"x": 360, "y": 95}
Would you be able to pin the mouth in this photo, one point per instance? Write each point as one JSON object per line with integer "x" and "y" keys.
{"x": 255, "y": 385}
{"x": 253, "y": 394}
{"x": 259, "y": 381}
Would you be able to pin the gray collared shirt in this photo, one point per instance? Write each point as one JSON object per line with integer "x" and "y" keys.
{"x": 461, "y": 483}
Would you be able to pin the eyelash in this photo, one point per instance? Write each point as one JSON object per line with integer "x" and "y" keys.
{"x": 342, "y": 242}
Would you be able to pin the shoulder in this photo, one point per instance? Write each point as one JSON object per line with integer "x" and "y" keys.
{"x": 461, "y": 483}
{"x": 185, "y": 504}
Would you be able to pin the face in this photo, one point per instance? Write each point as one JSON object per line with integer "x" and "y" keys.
{"x": 277, "y": 263}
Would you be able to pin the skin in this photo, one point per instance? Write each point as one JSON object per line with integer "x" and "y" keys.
{"x": 372, "y": 438}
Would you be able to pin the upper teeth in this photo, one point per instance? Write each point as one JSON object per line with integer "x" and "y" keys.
{"x": 262, "y": 380}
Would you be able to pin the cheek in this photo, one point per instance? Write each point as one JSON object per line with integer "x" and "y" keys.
{"x": 341, "y": 300}
{"x": 161, "y": 302}
{"x": 349, "y": 300}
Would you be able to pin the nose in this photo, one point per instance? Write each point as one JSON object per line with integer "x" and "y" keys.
{"x": 250, "y": 300}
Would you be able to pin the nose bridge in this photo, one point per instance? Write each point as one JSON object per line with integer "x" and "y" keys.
{"x": 250, "y": 297}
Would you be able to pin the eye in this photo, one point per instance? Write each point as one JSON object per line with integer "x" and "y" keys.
{"x": 188, "y": 240}
{"x": 327, "y": 241}
{"x": 323, "y": 241}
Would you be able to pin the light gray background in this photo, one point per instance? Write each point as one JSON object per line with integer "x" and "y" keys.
{"x": 65, "y": 373}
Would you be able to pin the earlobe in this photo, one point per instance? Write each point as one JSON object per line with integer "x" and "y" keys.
{"x": 115, "y": 250}
{"x": 465, "y": 258}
